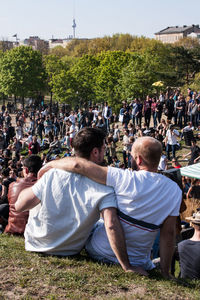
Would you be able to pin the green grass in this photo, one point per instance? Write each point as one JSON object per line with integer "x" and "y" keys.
{"x": 25, "y": 275}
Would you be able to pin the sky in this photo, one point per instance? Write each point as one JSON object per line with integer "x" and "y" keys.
{"x": 94, "y": 18}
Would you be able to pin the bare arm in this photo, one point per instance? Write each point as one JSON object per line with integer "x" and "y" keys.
{"x": 80, "y": 166}
{"x": 117, "y": 242}
{"x": 167, "y": 244}
{"x": 188, "y": 195}
{"x": 185, "y": 155}
{"x": 196, "y": 159}
{"x": 26, "y": 200}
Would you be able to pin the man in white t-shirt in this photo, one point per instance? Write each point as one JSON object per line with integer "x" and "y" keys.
{"x": 71, "y": 132}
{"x": 65, "y": 206}
{"x": 171, "y": 141}
{"x": 147, "y": 201}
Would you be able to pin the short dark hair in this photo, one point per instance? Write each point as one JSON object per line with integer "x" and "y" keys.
{"x": 86, "y": 140}
{"x": 33, "y": 163}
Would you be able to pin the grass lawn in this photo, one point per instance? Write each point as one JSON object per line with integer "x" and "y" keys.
{"x": 25, "y": 275}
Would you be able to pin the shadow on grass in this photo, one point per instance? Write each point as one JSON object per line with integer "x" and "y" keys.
{"x": 192, "y": 284}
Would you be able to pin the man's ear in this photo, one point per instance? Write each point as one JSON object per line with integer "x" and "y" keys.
{"x": 26, "y": 170}
{"x": 94, "y": 152}
{"x": 140, "y": 160}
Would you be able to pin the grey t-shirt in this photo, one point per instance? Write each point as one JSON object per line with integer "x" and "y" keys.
{"x": 189, "y": 253}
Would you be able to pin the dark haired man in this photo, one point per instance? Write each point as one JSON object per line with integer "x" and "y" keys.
{"x": 17, "y": 220}
{"x": 69, "y": 206}
{"x": 146, "y": 200}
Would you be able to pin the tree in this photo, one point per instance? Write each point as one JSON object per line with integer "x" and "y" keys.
{"x": 57, "y": 70}
{"x": 53, "y": 65}
{"x": 62, "y": 84}
{"x": 58, "y": 51}
{"x": 22, "y": 72}
{"x": 139, "y": 75}
{"x": 77, "y": 83}
{"x": 188, "y": 43}
{"x": 186, "y": 64}
{"x": 84, "y": 77}
{"x": 108, "y": 74}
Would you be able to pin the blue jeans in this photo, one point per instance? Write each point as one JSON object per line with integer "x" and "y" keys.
{"x": 170, "y": 148}
{"x": 155, "y": 119}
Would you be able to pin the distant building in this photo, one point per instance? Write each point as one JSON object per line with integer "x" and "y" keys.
{"x": 36, "y": 43}
{"x": 59, "y": 42}
{"x": 6, "y": 45}
{"x": 173, "y": 34}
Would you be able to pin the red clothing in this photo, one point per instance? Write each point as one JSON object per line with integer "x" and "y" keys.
{"x": 17, "y": 220}
{"x": 34, "y": 148}
{"x": 177, "y": 167}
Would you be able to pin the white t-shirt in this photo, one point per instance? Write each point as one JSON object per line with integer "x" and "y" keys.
{"x": 70, "y": 206}
{"x": 72, "y": 119}
{"x": 72, "y": 131}
{"x": 143, "y": 195}
{"x": 125, "y": 142}
{"x": 172, "y": 139}
{"x": 162, "y": 164}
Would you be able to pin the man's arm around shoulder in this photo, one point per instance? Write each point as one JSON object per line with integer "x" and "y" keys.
{"x": 78, "y": 165}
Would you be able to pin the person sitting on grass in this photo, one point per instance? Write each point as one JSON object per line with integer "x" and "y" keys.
{"x": 194, "y": 153}
{"x": 189, "y": 251}
{"x": 147, "y": 201}
{"x": 65, "y": 206}
{"x": 175, "y": 163}
{"x": 16, "y": 221}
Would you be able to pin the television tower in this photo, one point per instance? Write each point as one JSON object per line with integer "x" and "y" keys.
{"x": 74, "y": 28}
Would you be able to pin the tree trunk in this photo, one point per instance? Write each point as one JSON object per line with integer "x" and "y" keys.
{"x": 51, "y": 97}
{"x": 23, "y": 102}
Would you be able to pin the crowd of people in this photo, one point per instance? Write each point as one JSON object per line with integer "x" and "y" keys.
{"x": 148, "y": 131}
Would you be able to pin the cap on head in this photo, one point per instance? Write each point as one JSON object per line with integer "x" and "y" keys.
{"x": 195, "y": 218}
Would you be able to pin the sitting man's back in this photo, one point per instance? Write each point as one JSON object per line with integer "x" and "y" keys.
{"x": 70, "y": 205}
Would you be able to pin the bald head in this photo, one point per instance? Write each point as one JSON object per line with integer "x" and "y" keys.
{"x": 149, "y": 149}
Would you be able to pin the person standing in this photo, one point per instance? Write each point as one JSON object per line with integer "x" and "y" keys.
{"x": 171, "y": 141}
{"x": 147, "y": 111}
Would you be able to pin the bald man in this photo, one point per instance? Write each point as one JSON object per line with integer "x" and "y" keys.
{"x": 147, "y": 202}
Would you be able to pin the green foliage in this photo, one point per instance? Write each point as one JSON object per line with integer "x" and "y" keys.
{"x": 185, "y": 63}
{"x": 194, "y": 85}
{"x": 53, "y": 66}
{"x": 22, "y": 72}
{"x": 143, "y": 44}
{"x": 62, "y": 86}
{"x": 108, "y": 75}
{"x": 78, "y": 48}
{"x": 137, "y": 78}
{"x": 84, "y": 81}
{"x": 58, "y": 51}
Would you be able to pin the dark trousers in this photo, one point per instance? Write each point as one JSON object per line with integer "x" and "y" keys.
{"x": 147, "y": 118}
{"x": 170, "y": 148}
{"x": 4, "y": 214}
